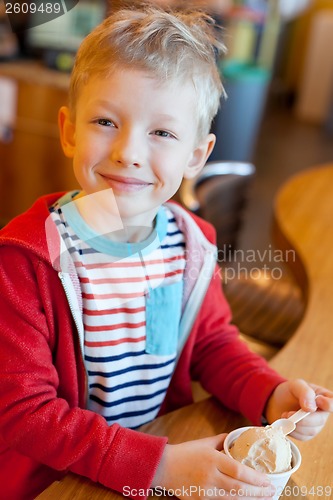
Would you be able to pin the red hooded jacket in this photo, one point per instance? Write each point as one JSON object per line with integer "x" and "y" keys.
{"x": 45, "y": 428}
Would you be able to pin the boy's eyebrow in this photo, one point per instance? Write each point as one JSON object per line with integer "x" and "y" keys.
{"x": 166, "y": 116}
{"x": 103, "y": 102}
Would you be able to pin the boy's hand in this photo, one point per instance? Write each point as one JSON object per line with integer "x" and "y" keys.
{"x": 289, "y": 396}
{"x": 198, "y": 469}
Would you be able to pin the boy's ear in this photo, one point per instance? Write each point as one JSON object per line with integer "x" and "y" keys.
{"x": 200, "y": 156}
{"x": 67, "y": 132}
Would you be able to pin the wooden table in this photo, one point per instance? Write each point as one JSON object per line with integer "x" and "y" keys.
{"x": 303, "y": 221}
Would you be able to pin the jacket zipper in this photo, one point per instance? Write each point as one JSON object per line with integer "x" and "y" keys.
{"x": 78, "y": 325}
{"x": 195, "y": 300}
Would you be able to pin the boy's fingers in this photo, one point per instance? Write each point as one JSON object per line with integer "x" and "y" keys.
{"x": 304, "y": 393}
{"x": 313, "y": 423}
{"x": 324, "y": 398}
{"x": 325, "y": 403}
{"x": 300, "y": 436}
{"x": 309, "y": 428}
{"x": 241, "y": 473}
{"x": 216, "y": 441}
{"x": 219, "y": 440}
{"x": 316, "y": 419}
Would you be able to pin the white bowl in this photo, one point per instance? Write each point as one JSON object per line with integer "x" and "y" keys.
{"x": 279, "y": 480}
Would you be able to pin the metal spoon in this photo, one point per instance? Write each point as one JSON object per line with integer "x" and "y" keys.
{"x": 288, "y": 425}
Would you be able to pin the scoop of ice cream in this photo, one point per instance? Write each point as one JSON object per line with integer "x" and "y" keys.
{"x": 264, "y": 449}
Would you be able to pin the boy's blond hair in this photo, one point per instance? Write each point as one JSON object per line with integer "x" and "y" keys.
{"x": 172, "y": 46}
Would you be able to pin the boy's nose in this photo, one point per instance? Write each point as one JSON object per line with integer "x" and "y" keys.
{"x": 128, "y": 151}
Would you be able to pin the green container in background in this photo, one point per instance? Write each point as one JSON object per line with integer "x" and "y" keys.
{"x": 237, "y": 123}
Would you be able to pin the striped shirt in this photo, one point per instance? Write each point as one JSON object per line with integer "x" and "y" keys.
{"x": 132, "y": 295}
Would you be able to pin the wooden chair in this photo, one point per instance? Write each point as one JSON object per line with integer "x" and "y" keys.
{"x": 267, "y": 311}
{"x": 218, "y": 195}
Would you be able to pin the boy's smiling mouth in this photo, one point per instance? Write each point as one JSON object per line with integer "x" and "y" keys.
{"x": 125, "y": 184}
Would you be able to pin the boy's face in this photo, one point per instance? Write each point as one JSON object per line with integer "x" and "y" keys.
{"x": 137, "y": 136}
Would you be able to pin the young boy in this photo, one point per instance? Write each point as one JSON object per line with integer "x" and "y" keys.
{"x": 109, "y": 297}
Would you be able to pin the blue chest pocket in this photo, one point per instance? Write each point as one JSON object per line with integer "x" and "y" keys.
{"x": 163, "y": 312}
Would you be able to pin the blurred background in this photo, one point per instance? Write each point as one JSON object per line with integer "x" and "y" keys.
{"x": 278, "y": 74}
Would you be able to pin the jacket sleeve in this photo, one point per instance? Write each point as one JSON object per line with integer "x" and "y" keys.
{"x": 226, "y": 368}
{"x": 36, "y": 419}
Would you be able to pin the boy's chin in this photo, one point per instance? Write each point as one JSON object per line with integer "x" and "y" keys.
{"x": 133, "y": 216}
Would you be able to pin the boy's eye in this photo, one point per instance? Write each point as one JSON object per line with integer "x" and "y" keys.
{"x": 105, "y": 122}
{"x": 163, "y": 133}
